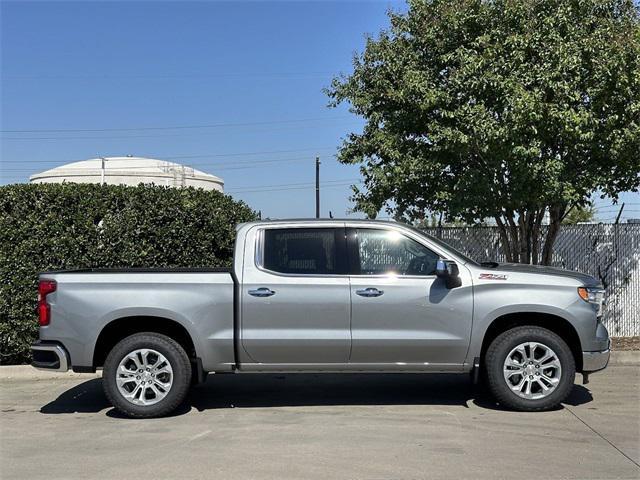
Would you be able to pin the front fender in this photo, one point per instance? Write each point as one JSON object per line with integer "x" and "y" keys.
{"x": 492, "y": 302}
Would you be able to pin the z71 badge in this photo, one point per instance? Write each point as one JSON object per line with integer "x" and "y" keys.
{"x": 492, "y": 276}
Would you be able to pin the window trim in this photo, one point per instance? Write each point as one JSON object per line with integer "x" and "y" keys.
{"x": 353, "y": 253}
{"x": 342, "y": 257}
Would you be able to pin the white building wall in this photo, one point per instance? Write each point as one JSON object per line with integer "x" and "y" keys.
{"x": 130, "y": 171}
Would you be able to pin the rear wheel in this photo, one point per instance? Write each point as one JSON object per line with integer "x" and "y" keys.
{"x": 530, "y": 369}
{"x": 146, "y": 375}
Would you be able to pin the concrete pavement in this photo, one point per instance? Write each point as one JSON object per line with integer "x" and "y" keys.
{"x": 321, "y": 426}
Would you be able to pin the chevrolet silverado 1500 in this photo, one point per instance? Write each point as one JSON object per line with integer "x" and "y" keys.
{"x": 324, "y": 296}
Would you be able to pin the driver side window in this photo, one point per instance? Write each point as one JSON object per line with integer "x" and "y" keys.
{"x": 383, "y": 252}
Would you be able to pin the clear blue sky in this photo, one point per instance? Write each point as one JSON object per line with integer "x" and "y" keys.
{"x": 261, "y": 66}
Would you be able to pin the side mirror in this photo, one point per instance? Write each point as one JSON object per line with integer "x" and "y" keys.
{"x": 449, "y": 272}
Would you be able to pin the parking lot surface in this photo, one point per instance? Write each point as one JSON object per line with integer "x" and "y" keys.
{"x": 321, "y": 426}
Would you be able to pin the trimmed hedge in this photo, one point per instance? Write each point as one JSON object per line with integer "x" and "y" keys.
{"x": 66, "y": 226}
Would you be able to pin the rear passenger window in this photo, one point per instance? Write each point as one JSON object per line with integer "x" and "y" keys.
{"x": 304, "y": 251}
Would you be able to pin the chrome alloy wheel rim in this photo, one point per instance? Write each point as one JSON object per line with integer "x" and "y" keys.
{"x": 532, "y": 370}
{"x": 144, "y": 377}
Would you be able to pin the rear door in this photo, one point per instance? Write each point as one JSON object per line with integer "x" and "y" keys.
{"x": 295, "y": 296}
{"x": 402, "y": 314}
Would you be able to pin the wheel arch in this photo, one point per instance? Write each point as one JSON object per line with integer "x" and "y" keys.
{"x": 557, "y": 324}
{"x": 122, "y": 327}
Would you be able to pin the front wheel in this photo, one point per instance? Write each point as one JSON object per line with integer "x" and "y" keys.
{"x": 146, "y": 375}
{"x": 530, "y": 369}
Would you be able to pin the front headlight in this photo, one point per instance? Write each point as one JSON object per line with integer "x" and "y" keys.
{"x": 593, "y": 295}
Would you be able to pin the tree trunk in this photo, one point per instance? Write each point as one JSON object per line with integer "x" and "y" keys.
{"x": 556, "y": 214}
{"x": 504, "y": 240}
{"x": 514, "y": 237}
{"x": 522, "y": 244}
{"x": 535, "y": 236}
{"x": 526, "y": 220}
{"x": 520, "y": 239}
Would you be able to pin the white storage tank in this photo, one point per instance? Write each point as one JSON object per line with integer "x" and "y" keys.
{"x": 129, "y": 171}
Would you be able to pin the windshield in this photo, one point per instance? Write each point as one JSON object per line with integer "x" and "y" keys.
{"x": 444, "y": 245}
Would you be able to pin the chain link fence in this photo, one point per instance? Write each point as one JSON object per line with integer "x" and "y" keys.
{"x": 609, "y": 252}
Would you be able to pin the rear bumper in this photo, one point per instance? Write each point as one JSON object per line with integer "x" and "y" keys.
{"x": 49, "y": 356}
{"x": 594, "y": 361}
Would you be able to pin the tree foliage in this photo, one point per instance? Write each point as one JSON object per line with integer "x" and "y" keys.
{"x": 68, "y": 226}
{"x": 578, "y": 214}
{"x": 504, "y": 109}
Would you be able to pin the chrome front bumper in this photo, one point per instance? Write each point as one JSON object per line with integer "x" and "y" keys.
{"x": 49, "y": 356}
{"x": 594, "y": 361}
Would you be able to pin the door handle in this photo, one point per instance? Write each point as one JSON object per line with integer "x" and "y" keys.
{"x": 261, "y": 292}
{"x": 370, "y": 292}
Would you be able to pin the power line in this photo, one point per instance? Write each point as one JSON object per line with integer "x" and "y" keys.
{"x": 305, "y": 187}
{"x": 164, "y": 75}
{"x": 217, "y": 166}
{"x": 181, "y": 135}
{"x": 168, "y": 164}
{"x": 177, "y": 127}
{"x": 293, "y": 186}
{"x": 201, "y": 155}
{"x": 298, "y": 184}
{"x": 285, "y": 189}
{"x": 241, "y": 167}
{"x": 606, "y": 207}
{"x": 250, "y": 153}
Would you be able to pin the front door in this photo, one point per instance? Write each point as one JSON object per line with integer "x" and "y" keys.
{"x": 402, "y": 314}
{"x": 295, "y": 297}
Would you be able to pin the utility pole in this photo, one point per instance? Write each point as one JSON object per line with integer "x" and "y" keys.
{"x": 317, "y": 187}
{"x": 619, "y": 214}
{"x": 102, "y": 171}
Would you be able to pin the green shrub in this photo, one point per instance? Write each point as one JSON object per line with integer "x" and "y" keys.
{"x": 67, "y": 226}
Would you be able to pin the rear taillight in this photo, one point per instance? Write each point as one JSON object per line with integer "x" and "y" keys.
{"x": 45, "y": 287}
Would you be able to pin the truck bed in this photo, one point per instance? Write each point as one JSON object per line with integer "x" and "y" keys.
{"x": 88, "y": 302}
{"x": 144, "y": 270}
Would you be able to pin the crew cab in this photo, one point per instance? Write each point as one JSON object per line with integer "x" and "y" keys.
{"x": 324, "y": 296}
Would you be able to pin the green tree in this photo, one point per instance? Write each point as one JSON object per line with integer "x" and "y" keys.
{"x": 503, "y": 109}
{"x": 68, "y": 226}
{"x": 579, "y": 214}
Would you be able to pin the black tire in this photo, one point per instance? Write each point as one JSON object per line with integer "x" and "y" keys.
{"x": 497, "y": 354}
{"x": 175, "y": 355}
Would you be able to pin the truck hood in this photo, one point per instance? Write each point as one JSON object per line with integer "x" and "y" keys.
{"x": 588, "y": 280}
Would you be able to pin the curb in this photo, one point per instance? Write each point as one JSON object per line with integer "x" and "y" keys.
{"x": 625, "y": 357}
{"x": 19, "y": 372}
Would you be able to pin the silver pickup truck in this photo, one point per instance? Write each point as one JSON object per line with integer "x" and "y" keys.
{"x": 325, "y": 296}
